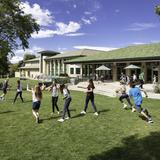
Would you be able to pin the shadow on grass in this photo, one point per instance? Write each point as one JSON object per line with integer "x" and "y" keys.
{"x": 78, "y": 115}
{"x": 50, "y": 118}
{"x": 6, "y": 112}
{"x": 105, "y": 110}
{"x": 147, "y": 148}
{"x": 81, "y": 115}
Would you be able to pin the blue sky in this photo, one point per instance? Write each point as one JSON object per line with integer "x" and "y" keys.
{"x": 96, "y": 24}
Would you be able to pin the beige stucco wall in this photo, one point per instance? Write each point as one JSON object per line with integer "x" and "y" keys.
{"x": 68, "y": 66}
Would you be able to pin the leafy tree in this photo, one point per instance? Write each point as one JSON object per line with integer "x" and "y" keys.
{"x": 12, "y": 69}
{"x": 3, "y": 64}
{"x": 28, "y": 56}
{"x": 157, "y": 9}
{"x": 15, "y": 28}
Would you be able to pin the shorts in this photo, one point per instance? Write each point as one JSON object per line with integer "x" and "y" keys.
{"x": 36, "y": 105}
{"x": 139, "y": 108}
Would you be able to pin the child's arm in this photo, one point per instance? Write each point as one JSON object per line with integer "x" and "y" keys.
{"x": 30, "y": 90}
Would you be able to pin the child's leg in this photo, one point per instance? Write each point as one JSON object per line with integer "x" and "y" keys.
{"x": 86, "y": 103}
{"x": 56, "y": 100}
{"x": 121, "y": 99}
{"x": 145, "y": 114}
{"x": 53, "y": 102}
{"x": 64, "y": 108}
{"x": 129, "y": 102}
{"x": 93, "y": 104}
{"x": 68, "y": 103}
{"x": 20, "y": 94}
{"x": 34, "y": 113}
{"x": 16, "y": 97}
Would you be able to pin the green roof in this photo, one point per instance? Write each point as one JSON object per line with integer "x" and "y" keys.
{"x": 146, "y": 51}
{"x": 76, "y": 53}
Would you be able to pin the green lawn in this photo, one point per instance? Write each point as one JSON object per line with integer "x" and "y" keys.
{"x": 116, "y": 134}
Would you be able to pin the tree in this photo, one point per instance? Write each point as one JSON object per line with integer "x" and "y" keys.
{"x": 12, "y": 69}
{"x": 157, "y": 10}
{"x": 28, "y": 56}
{"x": 16, "y": 28}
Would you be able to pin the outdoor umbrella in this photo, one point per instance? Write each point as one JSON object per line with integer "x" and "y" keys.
{"x": 103, "y": 68}
{"x": 131, "y": 66}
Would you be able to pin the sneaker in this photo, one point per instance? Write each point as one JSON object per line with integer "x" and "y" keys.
{"x": 37, "y": 120}
{"x": 67, "y": 118}
{"x": 60, "y": 120}
{"x": 124, "y": 106}
{"x": 83, "y": 112}
{"x": 150, "y": 121}
{"x": 96, "y": 114}
{"x": 52, "y": 113}
{"x": 133, "y": 109}
{"x": 58, "y": 112}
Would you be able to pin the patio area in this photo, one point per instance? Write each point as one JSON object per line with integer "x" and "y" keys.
{"x": 108, "y": 88}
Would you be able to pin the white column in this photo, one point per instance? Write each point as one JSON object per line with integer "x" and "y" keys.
{"x": 88, "y": 70}
{"x": 50, "y": 68}
{"x": 58, "y": 67}
{"x": 158, "y": 72}
{"x": 63, "y": 65}
{"x": 54, "y": 67}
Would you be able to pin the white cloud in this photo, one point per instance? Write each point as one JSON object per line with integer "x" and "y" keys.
{"x": 62, "y": 29}
{"x": 75, "y": 34}
{"x": 86, "y": 21}
{"x": 74, "y": 6}
{"x": 138, "y": 43}
{"x": 16, "y": 59}
{"x": 43, "y": 16}
{"x": 43, "y": 34}
{"x": 20, "y": 53}
{"x": 60, "y": 49}
{"x": 141, "y": 26}
{"x": 90, "y": 20}
{"x": 117, "y": 11}
{"x": 68, "y": 12}
{"x": 95, "y": 48}
{"x": 93, "y": 18}
{"x": 87, "y": 13}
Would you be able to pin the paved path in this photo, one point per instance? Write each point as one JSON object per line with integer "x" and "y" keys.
{"x": 108, "y": 89}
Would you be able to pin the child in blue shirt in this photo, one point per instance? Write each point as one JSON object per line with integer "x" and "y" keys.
{"x": 135, "y": 93}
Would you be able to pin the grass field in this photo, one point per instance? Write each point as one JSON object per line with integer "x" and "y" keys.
{"x": 116, "y": 134}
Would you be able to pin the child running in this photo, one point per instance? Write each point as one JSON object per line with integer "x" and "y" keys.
{"x": 54, "y": 90}
{"x": 67, "y": 98}
{"x": 36, "y": 101}
{"x": 124, "y": 95}
{"x": 135, "y": 93}
{"x": 19, "y": 91}
{"x": 90, "y": 96}
{"x": 4, "y": 88}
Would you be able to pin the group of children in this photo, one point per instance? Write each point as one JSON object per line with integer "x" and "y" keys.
{"x": 134, "y": 92}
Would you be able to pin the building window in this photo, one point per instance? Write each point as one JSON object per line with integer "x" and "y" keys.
{"x": 77, "y": 70}
{"x": 71, "y": 70}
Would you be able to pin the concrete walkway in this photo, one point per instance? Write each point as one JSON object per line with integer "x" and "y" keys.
{"x": 108, "y": 89}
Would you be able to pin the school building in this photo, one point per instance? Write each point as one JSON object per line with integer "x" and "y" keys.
{"x": 83, "y": 63}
